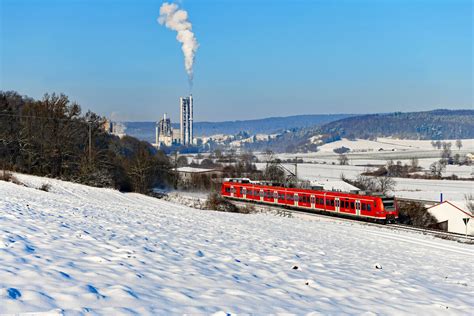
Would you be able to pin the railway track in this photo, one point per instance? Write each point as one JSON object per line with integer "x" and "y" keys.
{"x": 281, "y": 211}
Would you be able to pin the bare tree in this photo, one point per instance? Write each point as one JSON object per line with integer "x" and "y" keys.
{"x": 459, "y": 144}
{"x": 437, "y": 168}
{"x": 385, "y": 184}
{"x": 343, "y": 160}
{"x": 414, "y": 164}
{"x": 446, "y": 153}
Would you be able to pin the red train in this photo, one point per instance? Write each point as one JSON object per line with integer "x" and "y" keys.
{"x": 374, "y": 207}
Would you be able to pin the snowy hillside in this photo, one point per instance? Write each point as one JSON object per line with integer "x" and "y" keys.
{"x": 80, "y": 249}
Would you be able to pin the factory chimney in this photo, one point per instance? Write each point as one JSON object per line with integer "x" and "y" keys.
{"x": 186, "y": 120}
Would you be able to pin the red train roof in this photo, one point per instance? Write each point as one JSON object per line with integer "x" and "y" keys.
{"x": 308, "y": 191}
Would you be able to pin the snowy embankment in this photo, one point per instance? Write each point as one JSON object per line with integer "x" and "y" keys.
{"x": 80, "y": 249}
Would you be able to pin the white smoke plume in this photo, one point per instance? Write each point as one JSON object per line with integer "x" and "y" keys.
{"x": 177, "y": 20}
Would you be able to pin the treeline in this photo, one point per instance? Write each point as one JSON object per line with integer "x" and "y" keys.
{"x": 51, "y": 137}
{"x": 437, "y": 124}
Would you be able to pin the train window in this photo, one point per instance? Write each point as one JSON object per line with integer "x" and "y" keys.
{"x": 363, "y": 207}
{"x": 289, "y": 197}
{"x": 321, "y": 201}
{"x": 331, "y": 202}
{"x": 369, "y": 207}
{"x": 296, "y": 198}
{"x": 227, "y": 190}
{"x": 261, "y": 193}
{"x": 352, "y": 205}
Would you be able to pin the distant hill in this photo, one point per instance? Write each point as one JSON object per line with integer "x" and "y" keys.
{"x": 146, "y": 130}
{"x": 436, "y": 124}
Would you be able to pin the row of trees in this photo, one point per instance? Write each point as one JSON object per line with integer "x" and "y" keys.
{"x": 383, "y": 184}
{"x": 439, "y": 144}
{"x": 51, "y": 137}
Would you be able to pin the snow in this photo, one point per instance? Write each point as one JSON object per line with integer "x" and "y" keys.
{"x": 388, "y": 144}
{"x": 193, "y": 170}
{"x": 83, "y": 250}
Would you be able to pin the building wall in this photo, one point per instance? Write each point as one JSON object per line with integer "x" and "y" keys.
{"x": 454, "y": 216}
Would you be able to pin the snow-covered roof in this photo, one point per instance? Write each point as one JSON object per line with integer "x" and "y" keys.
{"x": 194, "y": 170}
{"x": 334, "y": 185}
{"x": 453, "y": 205}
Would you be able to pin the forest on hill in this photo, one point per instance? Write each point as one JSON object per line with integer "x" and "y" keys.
{"x": 51, "y": 137}
{"x": 435, "y": 125}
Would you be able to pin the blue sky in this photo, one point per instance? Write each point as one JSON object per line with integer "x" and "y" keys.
{"x": 256, "y": 58}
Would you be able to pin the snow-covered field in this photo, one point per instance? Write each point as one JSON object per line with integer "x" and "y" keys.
{"x": 367, "y": 152}
{"x": 83, "y": 250}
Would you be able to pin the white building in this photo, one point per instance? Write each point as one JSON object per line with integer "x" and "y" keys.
{"x": 451, "y": 218}
{"x": 186, "y": 120}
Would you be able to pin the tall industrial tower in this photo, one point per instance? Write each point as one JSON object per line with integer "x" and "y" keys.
{"x": 186, "y": 120}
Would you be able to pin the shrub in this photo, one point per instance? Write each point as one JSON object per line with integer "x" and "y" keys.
{"x": 416, "y": 214}
{"x": 247, "y": 209}
{"x": 6, "y": 175}
{"x": 45, "y": 187}
{"x": 216, "y": 202}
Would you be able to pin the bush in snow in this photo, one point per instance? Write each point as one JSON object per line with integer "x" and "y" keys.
{"x": 7, "y": 176}
{"x": 45, "y": 187}
{"x": 216, "y": 202}
{"x": 414, "y": 213}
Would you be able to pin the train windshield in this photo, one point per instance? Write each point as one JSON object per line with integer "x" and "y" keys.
{"x": 388, "y": 203}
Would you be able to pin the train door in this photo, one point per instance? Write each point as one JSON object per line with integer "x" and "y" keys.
{"x": 275, "y": 197}
{"x": 232, "y": 190}
{"x": 337, "y": 204}
{"x": 244, "y": 193}
{"x": 261, "y": 195}
{"x": 312, "y": 199}
{"x": 296, "y": 199}
{"x": 357, "y": 207}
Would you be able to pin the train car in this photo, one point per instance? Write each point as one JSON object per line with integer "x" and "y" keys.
{"x": 372, "y": 207}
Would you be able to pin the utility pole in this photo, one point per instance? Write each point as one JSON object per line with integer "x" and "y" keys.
{"x": 296, "y": 168}
{"x": 90, "y": 142}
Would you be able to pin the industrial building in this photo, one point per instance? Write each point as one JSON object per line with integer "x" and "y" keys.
{"x": 164, "y": 132}
{"x": 166, "y": 135}
{"x": 186, "y": 120}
